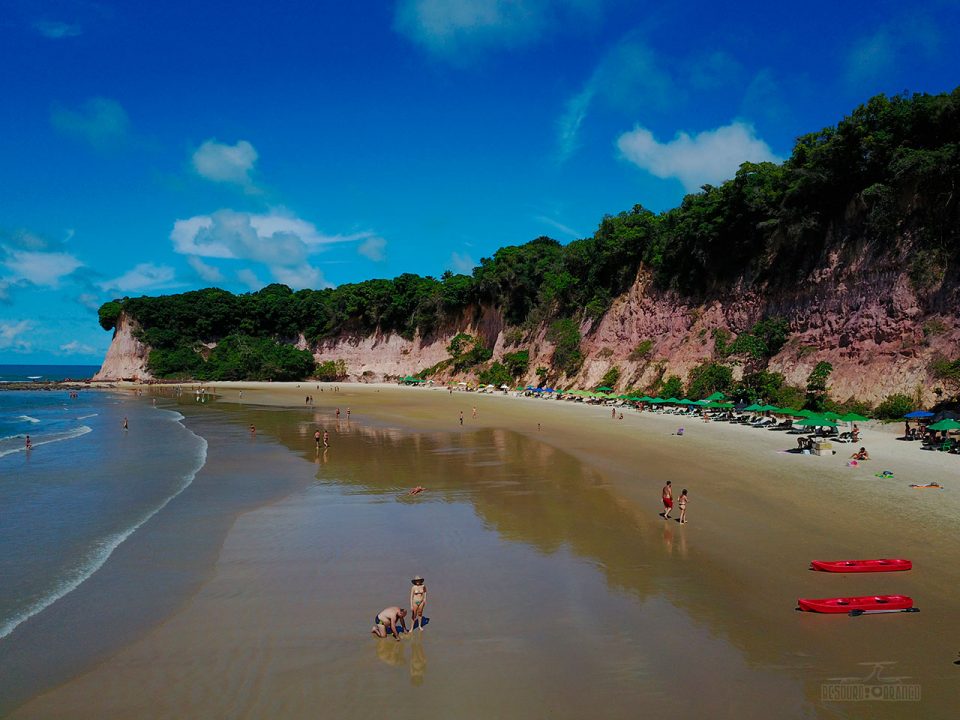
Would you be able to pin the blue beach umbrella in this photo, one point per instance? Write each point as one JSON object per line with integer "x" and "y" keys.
{"x": 919, "y": 414}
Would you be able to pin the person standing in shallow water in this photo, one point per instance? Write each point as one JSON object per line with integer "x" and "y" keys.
{"x": 683, "y": 506}
{"x": 418, "y": 601}
{"x": 667, "y": 496}
{"x": 461, "y": 417}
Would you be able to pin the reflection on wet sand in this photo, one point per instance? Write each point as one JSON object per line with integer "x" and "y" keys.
{"x": 395, "y": 654}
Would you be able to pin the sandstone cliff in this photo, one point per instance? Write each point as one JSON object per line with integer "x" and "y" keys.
{"x": 126, "y": 357}
{"x": 864, "y": 317}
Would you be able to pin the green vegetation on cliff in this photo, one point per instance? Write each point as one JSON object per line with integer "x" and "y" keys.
{"x": 896, "y": 161}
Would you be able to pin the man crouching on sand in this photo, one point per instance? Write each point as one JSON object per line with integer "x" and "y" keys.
{"x": 387, "y": 621}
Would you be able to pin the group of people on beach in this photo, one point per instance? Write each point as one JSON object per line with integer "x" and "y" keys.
{"x": 667, "y": 496}
{"x": 392, "y": 619}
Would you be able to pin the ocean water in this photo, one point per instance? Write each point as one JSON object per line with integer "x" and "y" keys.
{"x": 46, "y": 373}
{"x": 84, "y": 487}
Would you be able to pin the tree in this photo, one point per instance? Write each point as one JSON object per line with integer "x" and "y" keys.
{"x": 109, "y": 313}
{"x": 517, "y": 362}
{"x": 708, "y": 378}
{"x": 672, "y": 387}
{"x": 565, "y": 335}
{"x": 817, "y": 391}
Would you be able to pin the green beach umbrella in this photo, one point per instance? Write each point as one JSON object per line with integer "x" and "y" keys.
{"x": 752, "y": 408}
{"x": 646, "y": 399}
{"x": 715, "y": 397}
{"x": 604, "y": 388}
{"x": 701, "y": 403}
{"x": 672, "y": 401}
{"x": 945, "y": 424}
{"x": 853, "y": 417}
{"x": 790, "y": 411}
{"x": 815, "y": 422}
{"x": 806, "y": 413}
{"x": 658, "y": 400}
{"x": 686, "y": 401}
{"x": 768, "y": 408}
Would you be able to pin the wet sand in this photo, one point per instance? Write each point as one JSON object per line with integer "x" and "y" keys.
{"x": 555, "y": 588}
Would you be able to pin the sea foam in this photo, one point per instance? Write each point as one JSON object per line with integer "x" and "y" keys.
{"x": 47, "y": 439}
{"x": 104, "y": 548}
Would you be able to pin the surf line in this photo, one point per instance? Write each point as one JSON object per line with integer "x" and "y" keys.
{"x": 68, "y": 435}
{"x": 104, "y": 548}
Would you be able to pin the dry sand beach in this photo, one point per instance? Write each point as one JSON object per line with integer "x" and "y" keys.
{"x": 556, "y": 590}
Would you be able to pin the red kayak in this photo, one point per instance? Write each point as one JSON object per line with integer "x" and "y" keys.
{"x": 867, "y": 603}
{"x": 860, "y": 566}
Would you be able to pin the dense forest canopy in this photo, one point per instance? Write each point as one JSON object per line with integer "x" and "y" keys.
{"x": 897, "y": 157}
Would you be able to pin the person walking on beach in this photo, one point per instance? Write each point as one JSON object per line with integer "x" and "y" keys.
{"x": 387, "y": 620}
{"x": 613, "y": 413}
{"x": 667, "y": 496}
{"x": 316, "y": 438}
{"x": 126, "y": 425}
{"x": 326, "y": 440}
{"x": 418, "y": 601}
{"x": 682, "y": 502}
{"x": 474, "y": 413}
{"x": 338, "y": 413}
{"x": 461, "y": 417}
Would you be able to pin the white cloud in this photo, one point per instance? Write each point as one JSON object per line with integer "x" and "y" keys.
{"x": 99, "y": 121}
{"x": 559, "y": 227}
{"x": 226, "y": 163}
{"x": 462, "y": 263}
{"x": 143, "y": 276}
{"x": 40, "y": 268}
{"x": 627, "y": 78}
{"x": 454, "y": 27}
{"x": 207, "y": 273}
{"x": 301, "y": 276}
{"x": 89, "y": 300}
{"x": 246, "y": 236}
{"x": 10, "y": 335}
{"x": 280, "y": 241}
{"x": 56, "y": 30}
{"x": 373, "y": 248}
{"x": 250, "y": 279}
{"x": 75, "y": 347}
{"x": 711, "y": 156}
{"x": 875, "y": 57}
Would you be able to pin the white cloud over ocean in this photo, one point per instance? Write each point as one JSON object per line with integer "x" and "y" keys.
{"x": 11, "y": 335}
{"x": 711, "y": 156}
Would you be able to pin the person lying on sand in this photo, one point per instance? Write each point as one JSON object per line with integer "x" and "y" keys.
{"x": 417, "y": 490}
{"x": 387, "y": 620}
{"x": 861, "y": 454}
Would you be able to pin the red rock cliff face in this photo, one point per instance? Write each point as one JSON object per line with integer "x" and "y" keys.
{"x": 861, "y": 315}
{"x": 865, "y": 318}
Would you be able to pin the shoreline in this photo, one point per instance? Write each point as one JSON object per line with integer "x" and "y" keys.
{"x": 748, "y": 500}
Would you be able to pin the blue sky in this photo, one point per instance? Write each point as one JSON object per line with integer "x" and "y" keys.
{"x": 152, "y": 148}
